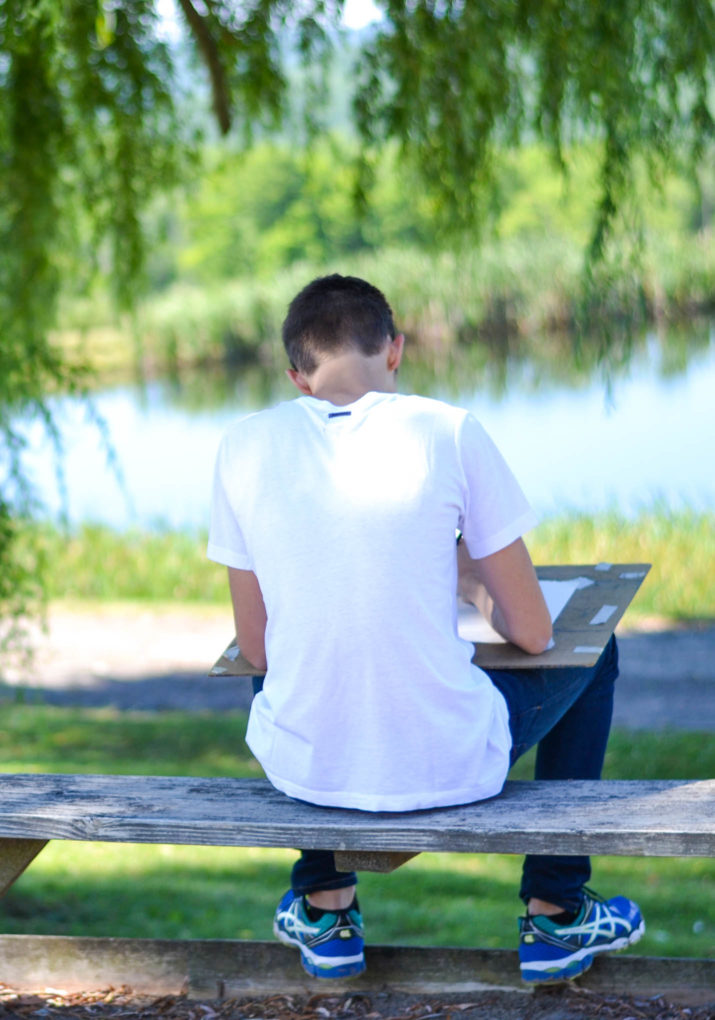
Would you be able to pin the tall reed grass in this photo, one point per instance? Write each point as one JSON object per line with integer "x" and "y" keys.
{"x": 96, "y": 563}
{"x": 441, "y": 299}
{"x": 679, "y": 544}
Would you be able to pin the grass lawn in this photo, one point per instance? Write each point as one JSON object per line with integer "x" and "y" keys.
{"x": 221, "y": 892}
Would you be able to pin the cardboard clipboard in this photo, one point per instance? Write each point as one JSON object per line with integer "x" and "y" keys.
{"x": 581, "y": 629}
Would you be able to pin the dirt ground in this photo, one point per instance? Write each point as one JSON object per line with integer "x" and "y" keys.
{"x": 153, "y": 659}
{"x": 566, "y": 1003}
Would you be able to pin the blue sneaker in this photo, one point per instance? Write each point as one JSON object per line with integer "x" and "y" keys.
{"x": 332, "y": 947}
{"x": 551, "y": 952}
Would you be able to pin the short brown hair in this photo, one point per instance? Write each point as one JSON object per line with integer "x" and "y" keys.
{"x": 334, "y": 313}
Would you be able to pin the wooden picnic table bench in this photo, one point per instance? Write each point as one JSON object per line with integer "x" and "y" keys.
{"x": 615, "y": 817}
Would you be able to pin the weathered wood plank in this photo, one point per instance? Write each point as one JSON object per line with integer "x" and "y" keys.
{"x": 367, "y": 860}
{"x": 15, "y": 855}
{"x": 628, "y": 818}
{"x": 214, "y": 969}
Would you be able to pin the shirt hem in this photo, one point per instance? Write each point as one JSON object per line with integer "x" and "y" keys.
{"x": 219, "y": 554}
{"x": 397, "y": 803}
{"x": 515, "y": 529}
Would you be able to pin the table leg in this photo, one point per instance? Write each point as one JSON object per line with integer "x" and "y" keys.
{"x": 15, "y": 855}
{"x": 370, "y": 860}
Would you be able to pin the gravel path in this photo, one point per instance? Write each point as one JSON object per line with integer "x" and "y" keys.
{"x": 152, "y": 660}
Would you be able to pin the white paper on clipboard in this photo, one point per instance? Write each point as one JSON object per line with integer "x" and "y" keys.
{"x": 473, "y": 627}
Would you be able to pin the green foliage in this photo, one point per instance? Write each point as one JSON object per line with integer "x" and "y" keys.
{"x": 255, "y": 212}
{"x": 235, "y": 240}
{"x": 490, "y": 303}
{"x": 90, "y": 132}
{"x": 97, "y": 563}
{"x": 22, "y": 593}
{"x": 453, "y": 80}
{"x": 91, "y": 97}
{"x": 680, "y": 545}
{"x": 29, "y": 364}
{"x": 81, "y": 108}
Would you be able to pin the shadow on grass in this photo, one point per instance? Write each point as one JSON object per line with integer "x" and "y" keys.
{"x": 176, "y": 691}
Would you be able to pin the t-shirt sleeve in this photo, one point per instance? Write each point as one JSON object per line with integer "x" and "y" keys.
{"x": 226, "y": 540}
{"x": 496, "y": 511}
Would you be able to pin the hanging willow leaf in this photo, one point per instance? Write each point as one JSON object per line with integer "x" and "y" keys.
{"x": 93, "y": 126}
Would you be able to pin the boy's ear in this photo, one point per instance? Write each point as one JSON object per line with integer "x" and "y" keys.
{"x": 299, "y": 381}
{"x": 394, "y": 352}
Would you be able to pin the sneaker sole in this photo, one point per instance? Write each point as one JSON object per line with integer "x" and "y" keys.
{"x": 330, "y": 972}
{"x": 556, "y": 975}
{"x": 577, "y": 963}
{"x": 315, "y": 965}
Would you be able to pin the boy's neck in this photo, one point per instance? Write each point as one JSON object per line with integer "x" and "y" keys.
{"x": 348, "y": 376}
{"x": 341, "y": 394}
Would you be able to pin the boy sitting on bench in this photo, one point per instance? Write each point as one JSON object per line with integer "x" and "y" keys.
{"x": 336, "y": 515}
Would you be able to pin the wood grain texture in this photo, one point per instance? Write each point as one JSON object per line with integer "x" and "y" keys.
{"x": 368, "y": 860}
{"x": 629, "y": 818}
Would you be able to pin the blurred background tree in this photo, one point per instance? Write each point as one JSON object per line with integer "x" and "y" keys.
{"x": 100, "y": 113}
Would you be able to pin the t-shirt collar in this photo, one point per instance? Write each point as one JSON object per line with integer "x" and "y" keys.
{"x": 327, "y": 410}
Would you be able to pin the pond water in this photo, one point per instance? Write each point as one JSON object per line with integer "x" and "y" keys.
{"x": 645, "y": 434}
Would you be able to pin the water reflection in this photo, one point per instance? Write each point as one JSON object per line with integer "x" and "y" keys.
{"x": 498, "y": 367}
{"x": 579, "y": 433}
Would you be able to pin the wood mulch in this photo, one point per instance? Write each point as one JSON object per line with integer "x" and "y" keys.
{"x": 565, "y": 1003}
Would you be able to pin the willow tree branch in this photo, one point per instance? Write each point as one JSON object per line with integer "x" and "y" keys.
{"x": 209, "y": 50}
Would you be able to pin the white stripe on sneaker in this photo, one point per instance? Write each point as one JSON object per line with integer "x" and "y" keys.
{"x": 563, "y": 961}
{"x": 603, "y": 923}
{"x": 558, "y": 964}
{"x": 329, "y": 961}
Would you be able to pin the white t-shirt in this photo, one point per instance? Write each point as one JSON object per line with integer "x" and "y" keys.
{"x": 347, "y": 516}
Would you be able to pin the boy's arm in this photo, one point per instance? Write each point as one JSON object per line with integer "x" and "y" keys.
{"x": 249, "y": 613}
{"x": 505, "y": 589}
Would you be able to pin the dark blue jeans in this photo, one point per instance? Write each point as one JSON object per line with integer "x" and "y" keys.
{"x": 567, "y": 712}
